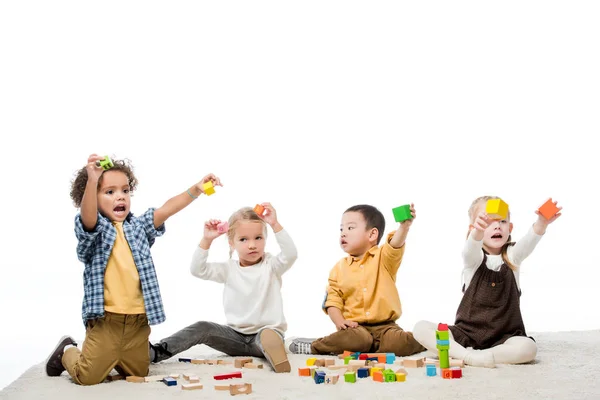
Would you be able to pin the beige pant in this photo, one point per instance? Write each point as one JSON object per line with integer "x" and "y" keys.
{"x": 115, "y": 341}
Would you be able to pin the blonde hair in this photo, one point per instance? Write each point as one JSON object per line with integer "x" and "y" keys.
{"x": 243, "y": 214}
{"x": 473, "y": 215}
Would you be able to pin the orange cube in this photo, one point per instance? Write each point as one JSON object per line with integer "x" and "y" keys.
{"x": 303, "y": 371}
{"x": 378, "y": 376}
{"x": 259, "y": 209}
{"x": 548, "y": 209}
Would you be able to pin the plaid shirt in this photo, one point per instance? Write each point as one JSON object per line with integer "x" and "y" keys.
{"x": 94, "y": 249}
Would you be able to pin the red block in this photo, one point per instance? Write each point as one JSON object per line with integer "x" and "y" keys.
{"x": 456, "y": 373}
{"x": 363, "y": 356}
{"x": 442, "y": 327}
{"x": 228, "y": 376}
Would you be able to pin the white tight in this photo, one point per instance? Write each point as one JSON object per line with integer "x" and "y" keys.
{"x": 515, "y": 350}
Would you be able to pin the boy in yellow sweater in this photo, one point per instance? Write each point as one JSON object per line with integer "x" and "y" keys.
{"x": 362, "y": 299}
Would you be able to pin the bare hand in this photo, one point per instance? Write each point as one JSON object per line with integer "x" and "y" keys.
{"x": 345, "y": 324}
{"x": 93, "y": 170}
{"x": 270, "y": 215}
{"x": 482, "y": 221}
{"x": 208, "y": 178}
{"x": 211, "y": 231}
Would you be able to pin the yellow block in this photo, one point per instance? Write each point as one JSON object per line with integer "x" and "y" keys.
{"x": 208, "y": 188}
{"x": 311, "y": 361}
{"x": 496, "y": 209}
{"x": 400, "y": 377}
{"x": 375, "y": 369}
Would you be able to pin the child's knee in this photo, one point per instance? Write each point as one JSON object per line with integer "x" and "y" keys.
{"x": 423, "y": 330}
{"x": 528, "y": 350}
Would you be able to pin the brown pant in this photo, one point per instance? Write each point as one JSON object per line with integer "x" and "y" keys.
{"x": 386, "y": 337}
{"x": 115, "y": 341}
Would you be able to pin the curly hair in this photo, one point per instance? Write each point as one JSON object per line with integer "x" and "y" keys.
{"x": 80, "y": 181}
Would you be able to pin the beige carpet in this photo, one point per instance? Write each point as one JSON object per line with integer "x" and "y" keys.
{"x": 567, "y": 367}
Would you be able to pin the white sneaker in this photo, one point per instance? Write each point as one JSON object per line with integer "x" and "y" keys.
{"x": 297, "y": 345}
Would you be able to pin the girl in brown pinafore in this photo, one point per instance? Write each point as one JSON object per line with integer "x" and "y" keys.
{"x": 489, "y": 329}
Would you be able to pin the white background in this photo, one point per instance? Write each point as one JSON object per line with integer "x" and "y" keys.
{"x": 314, "y": 106}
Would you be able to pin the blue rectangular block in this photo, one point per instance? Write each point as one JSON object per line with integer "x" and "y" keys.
{"x": 363, "y": 372}
{"x": 169, "y": 381}
{"x": 189, "y": 360}
{"x": 390, "y": 358}
{"x": 431, "y": 371}
{"x": 443, "y": 342}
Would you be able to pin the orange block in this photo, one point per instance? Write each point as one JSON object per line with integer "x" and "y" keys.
{"x": 446, "y": 373}
{"x": 378, "y": 376}
{"x": 548, "y": 209}
{"x": 259, "y": 209}
{"x": 304, "y": 371}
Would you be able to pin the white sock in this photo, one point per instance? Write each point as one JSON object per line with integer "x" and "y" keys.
{"x": 480, "y": 358}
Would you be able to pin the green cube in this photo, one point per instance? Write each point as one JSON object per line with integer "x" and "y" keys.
{"x": 106, "y": 163}
{"x": 402, "y": 213}
{"x": 350, "y": 377}
{"x": 442, "y": 335}
{"x": 347, "y": 359}
{"x": 389, "y": 375}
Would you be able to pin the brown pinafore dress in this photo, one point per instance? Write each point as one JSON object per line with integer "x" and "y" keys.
{"x": 490, "y": 310}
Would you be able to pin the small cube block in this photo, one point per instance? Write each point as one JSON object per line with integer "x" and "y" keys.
{"x": 106, "y": 163}
{"x": 350, "y": 376}
{"x": 446, "y": 373}
{"x": 390, "y": 358}
{"x": 548, "y": 209}
{"x": 402, "y": 213}
{"x": 167, "y": 380}
{"x": 208, "y": 188}
{"x": 378, "y": 376}
{"x": 456, "y": 372}
{"x": 496, "y": 209}
{"x": 442, "y": 327}
{"x": 319, "y": 377}
{"x": 400, "y": 377}
{"x": 375, "y": 369}
{"x": 253, "y": 366}
{"x": 431, "y": 370}
{"x": 311, "y": 361}
{"x": 303, "y": 371}
{"x": 259, "y": 209}
{"x": 389, "y": 375}
{"x": 363, "y": 372}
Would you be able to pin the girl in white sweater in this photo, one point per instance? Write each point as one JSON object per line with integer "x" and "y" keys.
{"x": 252, "y": 291}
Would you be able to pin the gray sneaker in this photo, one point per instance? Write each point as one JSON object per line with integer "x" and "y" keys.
{"x": 297, "y": 345}
{"x": 54, "y": 366}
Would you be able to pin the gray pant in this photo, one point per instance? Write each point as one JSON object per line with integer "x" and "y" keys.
{"x": 220, "y": 337}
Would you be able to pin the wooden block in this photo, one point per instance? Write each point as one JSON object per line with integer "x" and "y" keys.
{"x": 223, "y": 362}
{"x": 135, "y": 379}
{"x": 446, "y": 373}
{"x": 400, "y": 377}
{"x": 329, "y": 362}
{"x": 374, "y": 370}
{"x": 304, "y": 372}
{"x": 259, "y": 209}
{"x": 239, "y": 362}
{"x": 350, "y": 377}
{"x": 169, "y": 381}
{"x": 380, "y": 365}
{"x": 335, "y": 367}
{"x": 212, "y": 362}
{"x": 413, "y": 363}
{"x": 241, "y": 388}
{"x": 111, "y": 378}
{"x": 548, "y": 209}
{"x": 208, "y": 188}
{"x": 361, "y": 363}
{"x": 378, "y": 376}
{"x": 154, "y": 378}
{"x": 221, "y": 387}
{"x": 456, "y": 372}
{"x": 320, "y": 362}
{"x": 253, "y": 366}
{"x": 453, "y": 362}
{"x": 185, "y": 360}
{"x": 228, "y": 376}
{"x": 402, "y": 213}
{"x": 331, "y": 379}
{"x": 198, "y": 361}
{"x": 311, "y": 361}
{"x": 193, "y": 379}
{"x": 175, "y": 376}
{"x": 496, "y": 209}
{"x": 223, "y": 227}
{"x": 191, "y": 386}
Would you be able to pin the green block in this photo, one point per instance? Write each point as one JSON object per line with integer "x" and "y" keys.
{"x": 106, "y": 163}
{"x": 389, "y": 376}
{"x": 402, "y": 213}
{"x": 350, "y": 377}
{"x": 442, "y": 346}
{"x": 442, "y": 335}
{"x": 347, "y": 359}
{"x": 444, "y": 359}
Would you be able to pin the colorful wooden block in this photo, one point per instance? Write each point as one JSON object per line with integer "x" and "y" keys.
{"x": 496, "y": 209}
{"x": 347, "y": 359}
{"x": 253, "y": 366}
{"x": 456, "y": 372}
{"x": 444, "y": 358}
{"x": 363, "y": 372}
{"x": 442, "y": 335}
{"x": 232, "y": 375}
{"x": 105, "y": 163}
{"x": 187, "y": 360}
{"x": 350, "y": 377}
{"x": 363, "y": 356}
{"x": 446, "y": 373}
{"x": 167, "y": 380}
{"x": 259, "y": 209}
{"x": 136, "y": 379}
{"x": 378, "y": 376}
{"x": 208, "y": 188}
{"x": 390, "y": 358}
{"x": 311, "y": 361}
{"x": 240, "y": 388}
{"x": 402, "y": 213}
{"x": 431, "y": 370}
{"x": 400, "y": 377}
{"x": 442, "y": 327}
{"x": 239, "y": 362}
{"x": 319, "y": 377}
{"x": 389, "y": 375}
{"x": 331, "y": 379}
{"x": 303, "y": 371}
{"x": 375, "y": 369}
{"x": 548, "y": 209}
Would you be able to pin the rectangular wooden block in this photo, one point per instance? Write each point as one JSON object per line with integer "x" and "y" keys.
{"x": 241, "y": 388}
{"x": 191, "y": 386}
{"x": 239, "y": 362}
{"x": 253, "y": 366}
{"x": 154, "y": 378}
{"x": 136, "y": 379}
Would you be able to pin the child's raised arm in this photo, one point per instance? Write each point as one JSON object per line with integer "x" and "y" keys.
{"x": 288, "y": 254}
{"x": 89, "y": 202}
{"x": 182, "y": 200}
{"x": 202, "y": 269}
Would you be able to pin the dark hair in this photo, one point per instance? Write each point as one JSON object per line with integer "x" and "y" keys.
{"x": 373, "y": 217}
{"x": 79, "y": 183}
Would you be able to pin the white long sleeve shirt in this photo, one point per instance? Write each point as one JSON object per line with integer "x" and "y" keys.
{"x": 473, "y": 255}
{"x": 251, "y": 295}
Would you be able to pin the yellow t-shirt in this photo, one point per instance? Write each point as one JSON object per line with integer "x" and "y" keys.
{"x": 122, "y": 287}
{"x": 365, "y": 289}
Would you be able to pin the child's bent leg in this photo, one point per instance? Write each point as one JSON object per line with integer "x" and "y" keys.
{"x": 351, "y": 339}
{"x": 134, "y": 357}
{"x": 219, "y": 337}
{"x": 424, "y": 333}
{"x": 98, "y": 357}
{"x": 516, "y": 350}
{"x": 390, "y": 338}
{"x": 271, "y": 344}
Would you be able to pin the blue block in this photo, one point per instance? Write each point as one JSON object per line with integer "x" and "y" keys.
{"x": 431, "y": 371}
{"x": 362, "y": 373}
{"x": 443, "y": 342}
{"x": 169, "y": 381}
{"x": 373, "y": 359}
{"x": 355, "y": 356}
{"x": 319, "y": 377}
{"x": 390, "y": 358}
{"x": 185, "y": 360}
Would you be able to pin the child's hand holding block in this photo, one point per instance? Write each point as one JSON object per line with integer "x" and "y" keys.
{"x": 208, "y": 188}
{"x": 548, "y": 209}
{"x": 259, "y": 209}
{"x": 496, "y": 209}
{"x": 106, "y": 163}
{"x": 223, "y": 227}
{"x": 402, "y": 213}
